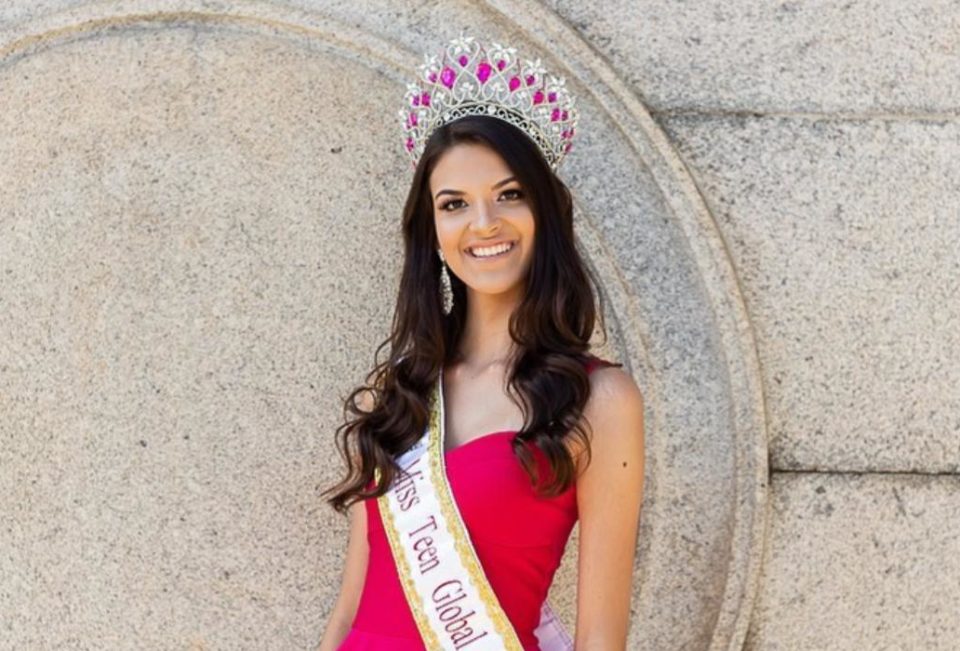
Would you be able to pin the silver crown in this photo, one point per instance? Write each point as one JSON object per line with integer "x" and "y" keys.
{"x": 468, "y": 79}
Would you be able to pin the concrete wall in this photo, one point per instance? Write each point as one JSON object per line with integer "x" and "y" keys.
{"x": 199, "y": 206}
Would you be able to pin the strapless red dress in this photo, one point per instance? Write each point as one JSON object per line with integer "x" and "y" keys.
{"x": 519, "y": 538}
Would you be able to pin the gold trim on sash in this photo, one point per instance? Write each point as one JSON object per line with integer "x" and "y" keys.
{"x": 460, "y": 536}
{"x": 403, "y": 571}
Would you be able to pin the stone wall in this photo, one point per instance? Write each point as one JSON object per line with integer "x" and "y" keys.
{"x": 199, "y": 245}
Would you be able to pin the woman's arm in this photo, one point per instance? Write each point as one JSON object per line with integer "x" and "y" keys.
{"x": 354, "y": 567}
{"x": 354, "y": 574}
{"x": 609, "y": 495}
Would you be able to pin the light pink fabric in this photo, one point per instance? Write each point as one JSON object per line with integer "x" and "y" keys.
{"x": 519, "y": 538}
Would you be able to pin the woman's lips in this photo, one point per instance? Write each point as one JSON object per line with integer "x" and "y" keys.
{"x": 504, "y": 254}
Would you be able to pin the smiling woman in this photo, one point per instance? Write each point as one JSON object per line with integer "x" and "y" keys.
{"x": 492, "y": 428}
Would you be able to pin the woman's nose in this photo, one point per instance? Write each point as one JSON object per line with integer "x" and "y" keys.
{"x": 486, "y": 215}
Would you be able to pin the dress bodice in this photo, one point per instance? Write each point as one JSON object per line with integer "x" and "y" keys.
{"x": 519, "y": 538}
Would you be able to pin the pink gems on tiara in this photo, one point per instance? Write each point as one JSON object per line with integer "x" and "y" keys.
{"x": 483, "y": 71}
{"x": 466, "y": 78}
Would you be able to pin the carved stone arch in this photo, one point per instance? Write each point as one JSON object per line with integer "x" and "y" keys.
{"x": 679, "y": 324}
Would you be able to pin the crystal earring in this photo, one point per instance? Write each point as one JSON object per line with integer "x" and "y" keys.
{"x": 445, "y": 282}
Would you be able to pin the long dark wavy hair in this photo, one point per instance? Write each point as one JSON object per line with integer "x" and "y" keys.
{"x": 550, "y": 328}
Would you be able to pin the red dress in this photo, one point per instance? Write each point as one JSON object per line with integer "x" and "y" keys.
{"x": 519, "y": 538}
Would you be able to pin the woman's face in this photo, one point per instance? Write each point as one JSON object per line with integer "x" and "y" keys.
{"x": 476, "y": 204}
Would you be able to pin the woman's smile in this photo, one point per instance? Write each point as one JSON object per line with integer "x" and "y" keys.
{"x": 491, "y": 253}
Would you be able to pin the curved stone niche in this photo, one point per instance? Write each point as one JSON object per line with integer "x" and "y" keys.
{"x": 181, "y": 545}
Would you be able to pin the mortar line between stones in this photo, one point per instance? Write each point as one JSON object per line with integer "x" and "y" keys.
{"x": 809, "y": 471}
{"x": 837, "y": 116}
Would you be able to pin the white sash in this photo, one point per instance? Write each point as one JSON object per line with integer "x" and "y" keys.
{"x": 448, "y": 593}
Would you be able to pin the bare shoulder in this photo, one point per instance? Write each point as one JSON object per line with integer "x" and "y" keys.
{"x": 610, "y": 386}
{"x": 614, "y": 413}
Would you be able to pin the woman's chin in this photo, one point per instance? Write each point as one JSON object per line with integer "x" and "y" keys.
{"x": 485, "y": 287}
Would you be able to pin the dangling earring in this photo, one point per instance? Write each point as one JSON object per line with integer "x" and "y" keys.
{"x": 445, "y": 282}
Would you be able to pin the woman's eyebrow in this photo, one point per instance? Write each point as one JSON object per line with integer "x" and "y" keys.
{"x": 493, "y": 187}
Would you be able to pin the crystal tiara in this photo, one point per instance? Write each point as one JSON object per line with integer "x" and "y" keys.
{"x": 469, "y": 79}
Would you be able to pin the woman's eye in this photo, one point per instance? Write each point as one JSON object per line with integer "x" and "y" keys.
{"x": 449, "y": 204}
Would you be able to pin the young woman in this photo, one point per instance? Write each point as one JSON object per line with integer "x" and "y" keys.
{"x": 491, "y": 429}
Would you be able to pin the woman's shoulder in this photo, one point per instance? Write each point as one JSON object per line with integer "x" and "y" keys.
{"x": 614, "y": 409}
{"x": 611, "y": 386}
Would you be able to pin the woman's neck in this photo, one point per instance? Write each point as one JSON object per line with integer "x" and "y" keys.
{"x": 486, "y": 340}
{"x": 489, "y": 348}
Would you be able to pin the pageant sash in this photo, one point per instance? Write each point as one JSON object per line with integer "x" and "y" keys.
{"x": 445, "y": 586}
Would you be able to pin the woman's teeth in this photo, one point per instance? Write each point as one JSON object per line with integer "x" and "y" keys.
{"x": 491, "y": 252}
